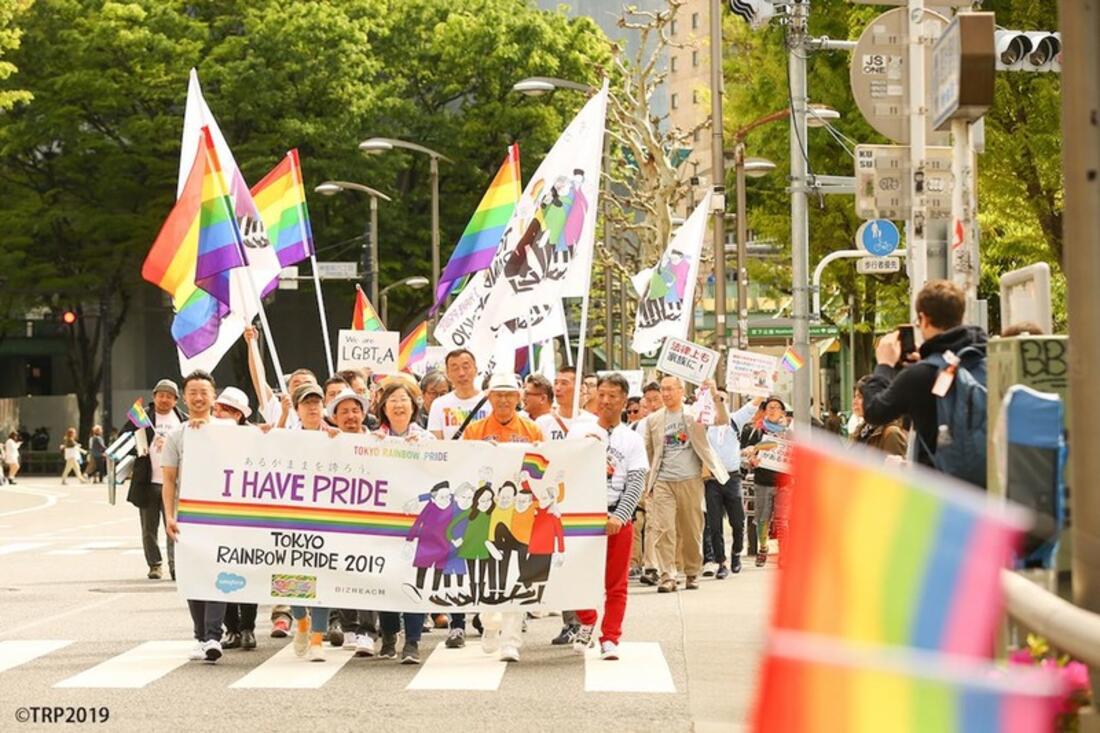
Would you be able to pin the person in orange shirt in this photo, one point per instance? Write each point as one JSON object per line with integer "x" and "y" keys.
{"x": 504, "y": 424}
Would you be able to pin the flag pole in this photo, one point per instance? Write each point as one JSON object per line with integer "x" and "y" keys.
{"x": 308, "y": 240}
{"x": 568, "y": 346}
{"x": 268, "y": 337}
{"x": 530, "y": 345}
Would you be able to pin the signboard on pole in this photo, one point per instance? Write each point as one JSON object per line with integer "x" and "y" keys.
{"x": 374, "y": 350}
{"x": 877, "y": 265}
{"x": 963, "y": 67}
{"x": 878, "y": 237}
{"x": 338, "y": 270}
{"x": 880, "y": 76}
{"x": 691, "y": 362}
{"x": 883, "y": 175}
{"x": 749, "y": 373}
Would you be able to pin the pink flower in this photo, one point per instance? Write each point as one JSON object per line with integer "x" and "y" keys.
{"x": 1021, "y": 656}
{"x": 1076, "y": 676}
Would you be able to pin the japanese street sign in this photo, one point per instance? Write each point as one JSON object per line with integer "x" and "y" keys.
{"x": 877, "y": 265}
{"x": 882, "y": 182}
{"x": 878, "y": 237}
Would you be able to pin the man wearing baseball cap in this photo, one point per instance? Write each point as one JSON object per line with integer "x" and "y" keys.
{"x": 504, "y": 424}
{"x": 146, "y": 478}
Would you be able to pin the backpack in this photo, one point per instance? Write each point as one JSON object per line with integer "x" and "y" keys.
{"x": 961, "y": 418}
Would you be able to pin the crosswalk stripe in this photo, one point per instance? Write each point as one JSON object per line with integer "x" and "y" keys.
{"x": 468, "y": 668}
{"x": 286, "y": 670}
{"x": 641, "y": 668}
{"x": 86, "y": 548}
{"x": 13, "y": 547}
{"x": 137, "y": 551}
{"x": 135, "y": 668}
{"x": 16, "y": 652}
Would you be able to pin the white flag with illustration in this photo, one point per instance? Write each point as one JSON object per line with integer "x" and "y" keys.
{"x": 546, "y": 251}
{"x": 667, "y": 292}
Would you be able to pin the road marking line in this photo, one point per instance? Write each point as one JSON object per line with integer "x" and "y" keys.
{"x": 13, "y": 547}
{"x": 16, "y": 652}
{"x": 69, "y": 552}
{"x": 138, "y": 551}
{"x": 285, "y": 670}
{"x": 51, "y": 500}
{"x": 468, "y": 668}
{"x": 641, "y": 667}
{"x": 57, "y": 616}
{"x": 135, "y": 668}
{"x": 86, "y": 548}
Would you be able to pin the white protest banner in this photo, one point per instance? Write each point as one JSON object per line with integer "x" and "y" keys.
{"x": 355, "y": 521}
{"x": 774, "y": 454}
{"x": 433, "y": 358}
{"x": 374, "y": 350}
{"x": 705, "y": 408}
{"x": 691, "y": 362}
{"x": 750, "y": 373}
{"x": 667, "y": 301}
{"x": 633, "y": 377}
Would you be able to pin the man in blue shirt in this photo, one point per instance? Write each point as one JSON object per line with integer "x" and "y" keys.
{"x": 724, "y": 500}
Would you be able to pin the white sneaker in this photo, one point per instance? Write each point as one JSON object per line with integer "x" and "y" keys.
{"x": 509, "y": 654}
{"x": 609, "y": 651}
{"x": 212, "y": 650}
{"x": 301, "y": 642}
{"x": 364, "y": 646}
{"x": 490, "y": 641}
{"x": 351, "y": 640}
{"x": 316, "y": 653}
{"x": 197, "y": 653}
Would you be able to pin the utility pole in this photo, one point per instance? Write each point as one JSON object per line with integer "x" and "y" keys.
{"x": 1080, "y": 23}
{"x": 718, "y": 173}
{"x": 916, "y": 229}
{"x": 797, "y": 21}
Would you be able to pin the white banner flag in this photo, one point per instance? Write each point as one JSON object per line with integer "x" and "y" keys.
{"x": 263, "y": 263}
{"x": 354, "y": 521}
{"x": 546, "y": 251}
{"x": 666, "y": 307}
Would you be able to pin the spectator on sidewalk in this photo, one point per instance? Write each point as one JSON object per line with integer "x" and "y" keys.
{"x": 890, "y": 438}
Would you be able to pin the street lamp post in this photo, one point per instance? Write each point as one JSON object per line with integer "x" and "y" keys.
{"x": 718, "y": 171}
{"x": 331, "y": 188}
{"x": 376, "y": 145}
{"x": 415, "y": 282}
{"x": 751, "y": 167}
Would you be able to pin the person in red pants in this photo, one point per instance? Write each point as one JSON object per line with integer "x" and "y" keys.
{"x": 626, "y": 469}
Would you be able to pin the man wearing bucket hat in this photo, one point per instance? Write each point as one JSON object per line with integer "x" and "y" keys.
{"x": 146, "y": 478}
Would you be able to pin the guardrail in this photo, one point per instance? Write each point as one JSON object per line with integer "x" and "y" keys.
{"x": 1067, "y": 627}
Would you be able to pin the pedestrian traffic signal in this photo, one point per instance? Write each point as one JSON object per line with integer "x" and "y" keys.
{"x": 1028, "y": 51}
{"x": 68, "y": 317}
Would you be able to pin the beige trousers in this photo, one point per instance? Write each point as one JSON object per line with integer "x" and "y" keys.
{"x": 674, "y": 514}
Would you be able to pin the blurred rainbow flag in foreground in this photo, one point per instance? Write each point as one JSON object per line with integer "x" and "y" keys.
{"x": 905, "y": 557}
{"x": 811, "y": 684}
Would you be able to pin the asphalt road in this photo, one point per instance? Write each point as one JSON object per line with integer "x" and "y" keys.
{"x": 83, "y": 630}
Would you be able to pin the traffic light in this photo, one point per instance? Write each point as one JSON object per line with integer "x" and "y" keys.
{"x": 1028, "y": 51}
{"x": 68, "y": 317}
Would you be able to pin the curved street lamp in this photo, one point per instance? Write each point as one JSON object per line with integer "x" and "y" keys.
{"x": 415, "y": 282}
{"x": 534, "y": 86}
{"x": 331, "y": 188}
{"x": 376, "y": 145}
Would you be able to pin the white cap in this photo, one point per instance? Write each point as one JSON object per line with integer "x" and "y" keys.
{"x": 235, "y": 398}
{"x": 345, "y": 394}
{"x": 503, "y": 382}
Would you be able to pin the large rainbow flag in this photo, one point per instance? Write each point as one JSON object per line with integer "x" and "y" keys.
{"x": 196, "y": 248}
{"x": 281, "y": 200}
{"x": 890, "y": 557}
{"x": 413, "y": 349}
{"x": 815, "y": 685}
{"x": 479, "y": 241}
{"x": 364, "y": 317}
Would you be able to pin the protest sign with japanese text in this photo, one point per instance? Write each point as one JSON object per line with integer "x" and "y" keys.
{"x": 691, "y": 362}
{"x": 750, "y": 373}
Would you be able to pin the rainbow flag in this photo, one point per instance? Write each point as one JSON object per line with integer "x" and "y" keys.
{"x": 281, "y": 201}
{"x": 814, "y": 685}
{"x": 138, "y": 416}
{"x": 413, "y": 349}
{"x": 791, "y": 361}
{"x": 196, "y": 248}
{"x": 535, "y": 465}
{"x": 480, "y": 239}
{"x": 364, "y": 317}
{"x": 889, "y": 557}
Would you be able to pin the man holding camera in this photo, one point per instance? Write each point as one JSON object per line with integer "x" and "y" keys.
{"x": 905, "y": 383}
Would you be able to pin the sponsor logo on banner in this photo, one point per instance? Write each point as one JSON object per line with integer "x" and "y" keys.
{"x": 228, "y": 582}
{"x": 358, "y": 521}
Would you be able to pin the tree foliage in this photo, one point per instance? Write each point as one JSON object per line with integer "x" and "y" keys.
{"x": 88, "y": 169}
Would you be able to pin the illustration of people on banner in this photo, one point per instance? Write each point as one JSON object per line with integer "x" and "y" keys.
{"x": 664, "y": 296}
